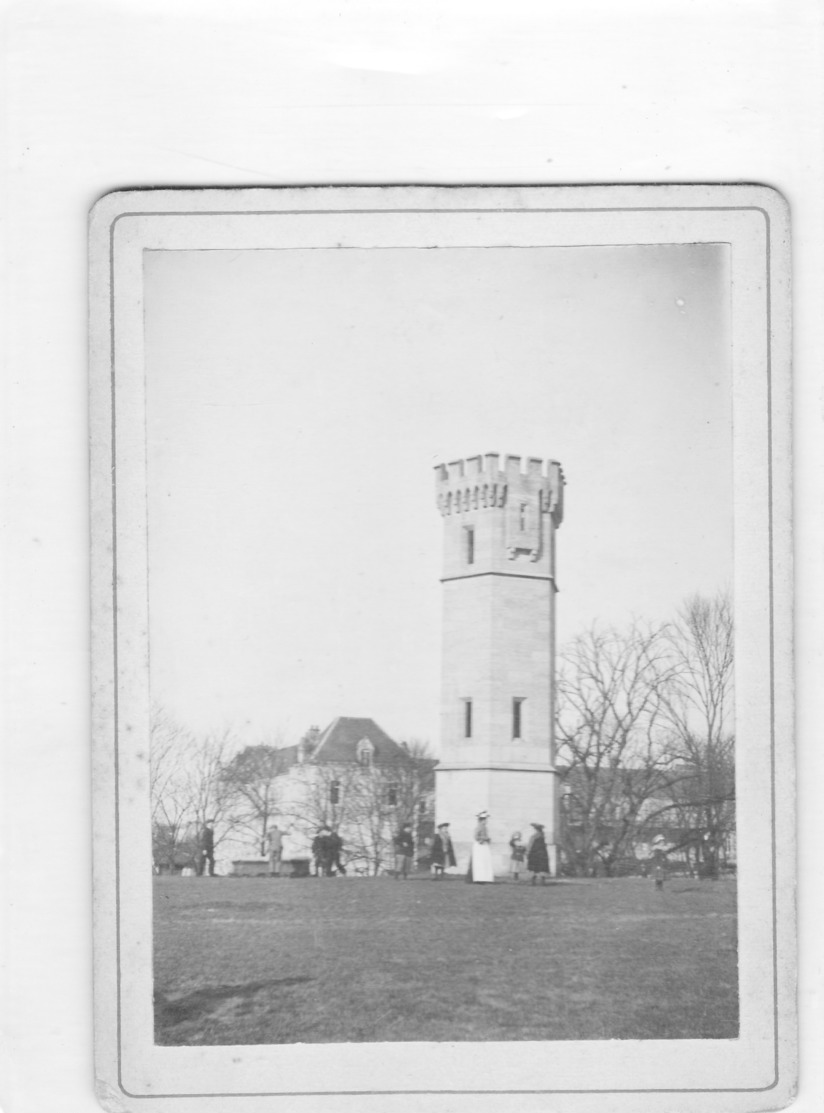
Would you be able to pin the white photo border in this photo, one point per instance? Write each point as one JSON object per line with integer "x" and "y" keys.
{"x": 755, "y": 1071}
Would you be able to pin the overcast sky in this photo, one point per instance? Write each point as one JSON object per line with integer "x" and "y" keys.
{"x": 298, "y": 400}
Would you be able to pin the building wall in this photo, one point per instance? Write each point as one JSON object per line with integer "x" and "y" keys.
{"x": 498, "y": 645}
{"x": 514, "y": 798}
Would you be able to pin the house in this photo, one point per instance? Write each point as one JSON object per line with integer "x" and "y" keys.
{"x": 363, "y": 784}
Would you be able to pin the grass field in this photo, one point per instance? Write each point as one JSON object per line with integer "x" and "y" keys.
{"x": 246, "y": 961}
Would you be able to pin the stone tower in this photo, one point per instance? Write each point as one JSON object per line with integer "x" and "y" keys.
{"x": 497, "y": 701}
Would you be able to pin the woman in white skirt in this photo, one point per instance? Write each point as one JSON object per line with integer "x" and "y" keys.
{"x": 480, "y": 865}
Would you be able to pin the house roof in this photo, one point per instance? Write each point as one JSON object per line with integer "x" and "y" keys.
{"x": 339, "y": 742}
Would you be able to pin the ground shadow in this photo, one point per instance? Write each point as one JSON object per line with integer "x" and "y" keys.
{"x": 178, "y": 1010}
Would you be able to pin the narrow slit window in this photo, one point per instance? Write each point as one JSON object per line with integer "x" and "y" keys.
{"x": 467, "y": 718}
{"x": 517, "y": 717}
{"x": 470, "y": 545}
{"x": 522, "y": 517}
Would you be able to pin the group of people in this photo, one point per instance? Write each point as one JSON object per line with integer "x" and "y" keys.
{"x": 327, "y": 850}
{"x": 532, "y": 857}
{"x": 327, "y": 853}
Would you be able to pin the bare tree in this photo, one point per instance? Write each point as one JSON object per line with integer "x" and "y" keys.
{"x": 611, "y": 703}
{"x": 251, "y": 778}
{"x": 209, "y": 799}
{"x": 172, "y": 842}
{"x": 699, "y": 715}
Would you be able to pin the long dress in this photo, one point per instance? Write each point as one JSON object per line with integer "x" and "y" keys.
{"x": 481, "y": 863}
{"x": 537, "y": 859}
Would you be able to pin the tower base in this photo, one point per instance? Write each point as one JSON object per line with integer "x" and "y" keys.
{"x": 515, "y": 795}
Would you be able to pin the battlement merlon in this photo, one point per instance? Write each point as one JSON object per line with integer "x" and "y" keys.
{"x": 478, "y": 482}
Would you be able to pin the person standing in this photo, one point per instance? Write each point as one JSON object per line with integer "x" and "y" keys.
{"x": 443, "y": 853}
{"x": 480, "y": 864}
{"x": 404, "y": 851}
{"x": 517, "y": 855}
{"x": 274, "y": 840}
{"x": 207, "y": 849}
{"x": 335, "y": 851}
{"x": 322, "y": 851}
{"x": 537, "y": 857}
{"x": 658, "y": 870}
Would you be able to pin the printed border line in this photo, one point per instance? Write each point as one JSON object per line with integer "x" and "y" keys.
{"x": 337, "y": 212}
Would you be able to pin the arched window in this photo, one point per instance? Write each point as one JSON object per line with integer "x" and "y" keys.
{"x": 392, "y": 796}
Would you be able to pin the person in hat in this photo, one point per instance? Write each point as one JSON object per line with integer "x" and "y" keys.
{"x": 480, "y": 864}
{"x": 537, "y": 857}
{"x": 404, "y": 852}
{"x": 443, "y": 853}
{"x": 517, "y": 855}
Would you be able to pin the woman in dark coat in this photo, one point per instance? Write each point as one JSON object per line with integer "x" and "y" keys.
{"x": 537, "y": 858}
{"x": 443, "y": 854}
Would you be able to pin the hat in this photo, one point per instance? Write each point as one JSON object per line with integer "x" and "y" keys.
{"x": 483, "y": 815}
{"x": 516, "y": 834}
{"x": 537, "y": 826}
{"x": 440, "y": 825}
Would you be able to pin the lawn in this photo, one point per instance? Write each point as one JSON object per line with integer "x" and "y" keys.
{"x": 258, "y": 960}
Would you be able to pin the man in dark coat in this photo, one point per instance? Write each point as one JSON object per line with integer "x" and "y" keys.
{"x": 443, "y": 853}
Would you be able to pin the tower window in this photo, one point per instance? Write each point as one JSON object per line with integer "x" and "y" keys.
{"x": 392, "y": 796}
{"x": 517, "y": 717}
{"x": 334, "y": 792}
{"x": 470, "y": 545}
{"x": 522, "y": 517}
{"x": 467, "y": 718}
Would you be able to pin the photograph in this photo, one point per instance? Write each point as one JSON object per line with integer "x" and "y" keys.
{"x": 360, "y": 663}
{"x": 432, "y": 626}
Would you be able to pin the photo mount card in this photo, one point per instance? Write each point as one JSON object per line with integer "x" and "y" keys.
{"x": 334, "y": 433}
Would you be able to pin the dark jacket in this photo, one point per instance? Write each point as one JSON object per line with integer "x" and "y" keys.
{"x": 537, "y": 859}
{"x": 442, "y": 854}
{"x": 404, "y": 844}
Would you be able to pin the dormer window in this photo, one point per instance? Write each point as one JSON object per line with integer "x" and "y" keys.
{"x": 365, "y": 752}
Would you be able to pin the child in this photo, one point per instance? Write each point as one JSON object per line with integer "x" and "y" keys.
{"x": 517, "y": 854}
{"x": 658, "y": 870}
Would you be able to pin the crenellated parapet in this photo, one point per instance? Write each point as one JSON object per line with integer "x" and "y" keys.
{"x": 521, "y": 488}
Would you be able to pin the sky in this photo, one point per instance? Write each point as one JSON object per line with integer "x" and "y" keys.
{"x": 298, "y": 401}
